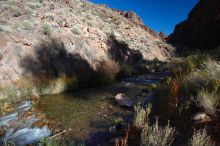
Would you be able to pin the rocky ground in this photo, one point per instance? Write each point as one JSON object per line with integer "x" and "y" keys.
{"x": 38, "y": 35}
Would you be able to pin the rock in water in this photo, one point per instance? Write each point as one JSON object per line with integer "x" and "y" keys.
{"x": 123, "y": 100}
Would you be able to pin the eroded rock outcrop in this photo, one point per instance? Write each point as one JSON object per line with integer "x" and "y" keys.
{"x": 202, "y": 28}
{"x": 133, "y": 17}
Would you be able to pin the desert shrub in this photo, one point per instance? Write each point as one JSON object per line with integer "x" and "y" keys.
{"x": 76, "y": 30}
{"x": 157, "y": 136}
{"x": 90, "y": 23}
{"x": 46, "y": 29}
{"x": 26, "y": 25}
{"x": 212, "y": 68}
{"x": 28, "y": 10}
{"x": 201, "y": 138}
{"x": 35, "y": 5}
{"x": 2, "y": 28}
{"x": 50, "y": 17}
{"x": 11, "y": 2}
{"x": 205, "y": 77}
{"x": 141, "y": 115}
{"x": 208, "y": 101}
{"x": 184, "y": 66}
{"x": 16, "y": 13}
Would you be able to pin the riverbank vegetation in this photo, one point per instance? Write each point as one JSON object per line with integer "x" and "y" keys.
{"x": 188, "y": 100}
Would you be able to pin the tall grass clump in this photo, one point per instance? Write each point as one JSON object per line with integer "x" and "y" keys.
{"x": 204, "y": 77}
{"x": 201, "y": 138}
{"x": 208, "y": 101}
{"x": 14, "y": 94}
{"x": 157, "y": 136}
{"x": 141, "y": 115}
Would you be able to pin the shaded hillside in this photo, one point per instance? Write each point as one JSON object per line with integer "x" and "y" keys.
{"x": 82, "y": 29}
{"x": 202, "y": 28}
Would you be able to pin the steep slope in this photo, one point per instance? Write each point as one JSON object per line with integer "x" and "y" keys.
{"x": 202, "y": 28}
{"x": 63, "y": 38}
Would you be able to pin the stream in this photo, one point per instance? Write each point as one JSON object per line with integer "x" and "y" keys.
{"x": 89, "y": 113}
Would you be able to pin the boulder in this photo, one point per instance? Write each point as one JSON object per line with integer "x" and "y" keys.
{"x": 123, "y": 100}
{"x": 200, "y": 117}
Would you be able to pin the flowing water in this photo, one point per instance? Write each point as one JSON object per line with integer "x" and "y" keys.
{"x": 89, "y": 113}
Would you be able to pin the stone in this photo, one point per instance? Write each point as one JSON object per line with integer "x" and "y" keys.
{"x": 123, "y": 100}
{"x": 200, "y": 117}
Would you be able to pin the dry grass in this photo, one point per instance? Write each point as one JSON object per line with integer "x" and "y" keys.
{"x": 141, "y": 115}
{"x": 201, "y": 138}
{"x": 203, "y": 77}
{"x": 157, "y": 136}
{"x": 46, "y": 28}
{"x": 208, "y": 101}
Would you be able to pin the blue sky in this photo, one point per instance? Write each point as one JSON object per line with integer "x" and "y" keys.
{"x": 160, "y": 15}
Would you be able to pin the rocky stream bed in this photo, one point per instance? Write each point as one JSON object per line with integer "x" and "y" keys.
{"x": 87, "y": 114}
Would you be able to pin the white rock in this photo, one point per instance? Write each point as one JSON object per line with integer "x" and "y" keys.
{"x": 199, "y": 116}
{"x": 123, "y": 100}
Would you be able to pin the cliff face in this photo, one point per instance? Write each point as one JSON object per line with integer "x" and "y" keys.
{"x": 65, "y": 38}
{"x": 202, "y": 28}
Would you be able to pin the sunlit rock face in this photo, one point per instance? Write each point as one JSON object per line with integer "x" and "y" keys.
{"x": 50, "y": 38}
{"x": 201, "y": 29}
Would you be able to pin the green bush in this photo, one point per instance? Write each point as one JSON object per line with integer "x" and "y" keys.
{"x": 35, "y": 5}
{"x": 2, "y": 28}
{"x": 76, "y": 30}
{"x": 90, "y": 23}
{"x": 28, "y": 10}
{"x": 17, "y": 13}
{"x": 26, "y": 25}
{"x": 46, "y": 29}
